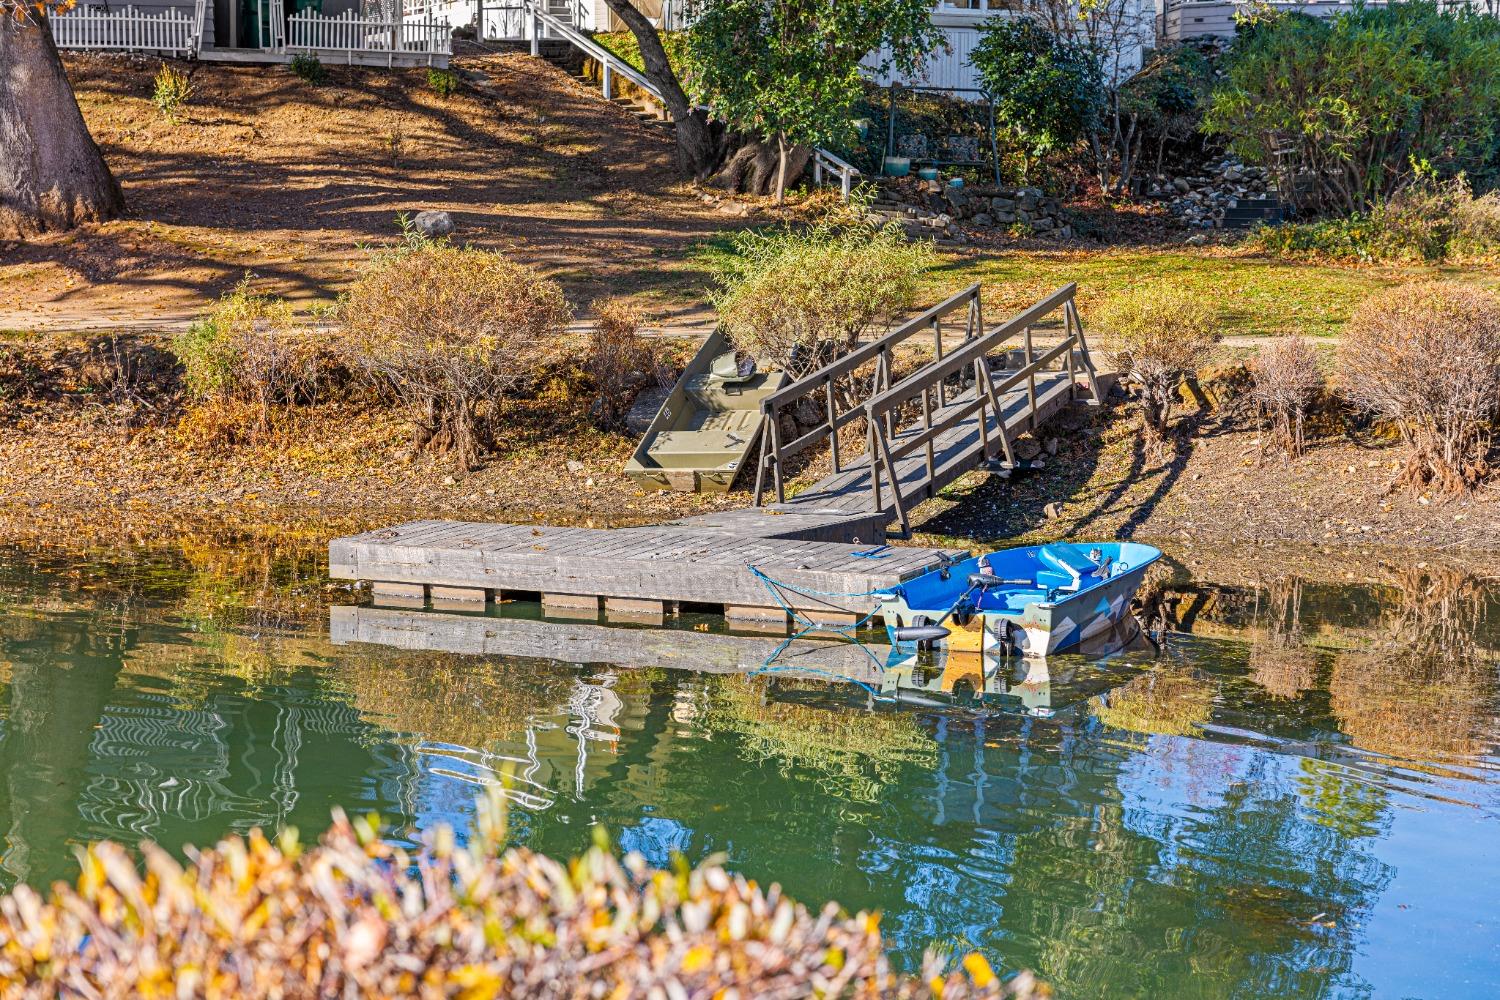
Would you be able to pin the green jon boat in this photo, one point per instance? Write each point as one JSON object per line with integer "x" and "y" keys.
{"x": 703, "y": 432}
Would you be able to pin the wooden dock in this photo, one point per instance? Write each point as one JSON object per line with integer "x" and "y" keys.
{"x": 632, "y": 571}
{"x": 824, "y": 545}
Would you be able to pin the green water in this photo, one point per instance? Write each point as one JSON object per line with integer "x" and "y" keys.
{"x": 1297, "y": 796}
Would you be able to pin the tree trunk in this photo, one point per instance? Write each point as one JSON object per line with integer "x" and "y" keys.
{"x": 755, "y": 167}
{"x": 52, "y": 175}
{"x": 698, "y": 139}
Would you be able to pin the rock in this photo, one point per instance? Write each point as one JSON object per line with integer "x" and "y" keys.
{"x": 433, "y": 224}
{"x": 1197, "y": 240}
{"x": 1026, "y": 448}
{"x": 449, "y": 481}
{"x": 1051, "y": 445}
{"x": 807, "y": 413}
{"x": 647, "y": 402}
{"x": 786, "y": 426}
{"x": 1052, "y": 511}
{"x": 983, "y": 219}
{"x": 1182, "y": 184}
{"x": 1042, "y": 224}
{"x": 1003, "y": 218}
{"x": 575, "y": 466}
{"x": 734, "y": 208}
{"x": 1002, "y": 204}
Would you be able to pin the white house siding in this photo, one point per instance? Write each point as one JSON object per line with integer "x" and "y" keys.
{"x": 948, "y": 68}
{"x": 1181, "y": 19}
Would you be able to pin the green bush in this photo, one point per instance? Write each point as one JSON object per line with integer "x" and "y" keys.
{"x": 1047, "y": 91}
{"x": 794, "y": 297}
{"x": 250, "y": 350}
{"x": 624, "y": 45}
{"x": 310, "y": 69}
{"x": 443, "y": 82}
{"x": 354, "y": 916}
{"x": 170, "y": 91}
{"x": 1350, "y": 109}
{"x": 1431, "y": 223}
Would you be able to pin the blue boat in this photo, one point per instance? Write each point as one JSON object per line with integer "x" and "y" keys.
{"x": 1033, "y": 601}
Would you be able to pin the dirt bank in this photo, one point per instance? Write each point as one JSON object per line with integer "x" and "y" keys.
{"x": 269, "y": 174}
{"x": 79, "y": 457}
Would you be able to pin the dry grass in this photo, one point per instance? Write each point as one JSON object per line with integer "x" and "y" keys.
{"x": 1285, "y": 381}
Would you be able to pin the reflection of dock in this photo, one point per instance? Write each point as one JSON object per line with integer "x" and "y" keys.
{"x": 941, "y": 679}
{"x": 570, "y": 642}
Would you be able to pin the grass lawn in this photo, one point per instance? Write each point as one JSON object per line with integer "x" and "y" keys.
{"x": 1257, "y": 295}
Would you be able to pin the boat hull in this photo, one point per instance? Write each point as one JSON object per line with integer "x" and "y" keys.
{"x": 1037, "y": 628}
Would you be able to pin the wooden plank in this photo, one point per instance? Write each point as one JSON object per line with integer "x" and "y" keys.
{"x": 459, "y": 595}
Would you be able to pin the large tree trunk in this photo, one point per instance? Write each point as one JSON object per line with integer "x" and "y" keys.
{"x": 52, "y": 176}
{"x": 699, "y": 145}
{"x": 754, "y": 166}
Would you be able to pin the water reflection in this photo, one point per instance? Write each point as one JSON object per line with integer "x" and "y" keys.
{"x": 1298, "y": 788}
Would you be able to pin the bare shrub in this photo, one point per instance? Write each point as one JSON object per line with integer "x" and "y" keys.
{"x": 1157, "y": 335}
{"x": 251, "y": 349}
{"x": 795, "y": 298}
{"x": 1285, "y": 381}
{"x": 450, "y": 330}
{"x": 1426, "y": 356}
{"x": 620, "y": 362}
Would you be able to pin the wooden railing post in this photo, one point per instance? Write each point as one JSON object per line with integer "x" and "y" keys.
{"x": 833, "y": 430}
{"x": 1030, "y": 385}
{"x": 765, "y": 446}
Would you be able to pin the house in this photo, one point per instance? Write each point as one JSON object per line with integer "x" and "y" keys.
{"x": 1182, "y": 19}
{"x": 363, "y": 32}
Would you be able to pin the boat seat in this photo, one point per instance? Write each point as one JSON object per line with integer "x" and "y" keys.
{"x": 696, "y": 449}
{"x": 1068, "y": 561}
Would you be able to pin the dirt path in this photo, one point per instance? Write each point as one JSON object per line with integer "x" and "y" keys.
{"x": 269, "y": 175}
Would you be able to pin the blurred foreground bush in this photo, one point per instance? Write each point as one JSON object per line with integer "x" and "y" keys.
{"x": 354, "y": 916}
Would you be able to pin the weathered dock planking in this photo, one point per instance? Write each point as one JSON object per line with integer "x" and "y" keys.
{"x": 955, "y": 413}
{"x": 634, "y": 570}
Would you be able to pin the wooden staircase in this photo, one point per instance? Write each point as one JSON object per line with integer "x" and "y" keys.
{"x": 1246, "y": 213}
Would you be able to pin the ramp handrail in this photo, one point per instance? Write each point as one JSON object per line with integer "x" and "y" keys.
{"x": 774, "y": 452}
{"x": 883, "y": 411}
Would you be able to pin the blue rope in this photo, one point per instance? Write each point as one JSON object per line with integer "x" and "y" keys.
{"x": 878, "y": 552}
{"x": 775, "y": 588}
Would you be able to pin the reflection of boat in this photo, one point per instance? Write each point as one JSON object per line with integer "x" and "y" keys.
{"x": 703, "y": 431}
{"x": 968, "y": 677}
{"x": 1036, "y": 600}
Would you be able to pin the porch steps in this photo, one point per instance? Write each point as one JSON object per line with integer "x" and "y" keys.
{"x": 1246, "y": 213}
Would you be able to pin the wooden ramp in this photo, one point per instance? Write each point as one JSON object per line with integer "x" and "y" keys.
{"x": 950, "y": 415}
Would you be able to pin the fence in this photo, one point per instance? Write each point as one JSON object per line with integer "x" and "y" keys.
{"x": 354, "y": 35}
{"x": 170, "y": 32}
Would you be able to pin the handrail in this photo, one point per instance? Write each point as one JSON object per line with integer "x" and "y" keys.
{"x": 774, "y": 451}
{"x": 870, "y": 349}
{"x": 882, "y": 411}
{"x": 912, "y": 386}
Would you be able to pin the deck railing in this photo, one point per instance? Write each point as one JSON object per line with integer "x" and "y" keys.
{"x": 350, "y": 34}
{"x": 126, "y": 29}
{"x": 888, "y": 441}
{"x": 845, "y": 391}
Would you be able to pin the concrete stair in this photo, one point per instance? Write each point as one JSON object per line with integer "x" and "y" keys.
{"x": 1247, "y": 213}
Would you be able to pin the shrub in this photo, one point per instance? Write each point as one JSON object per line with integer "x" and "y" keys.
{"x": 1158, "y": 335}
{"x": 619, "y": 361}
{"x": 1285, "y": 381}
{"x": 354, "y": 916}
{"x": 310, "y": 69}
{"x": 450, "y": 329}
{"x": 1352, "y": 108}
{"x": 793, "y": 297}
{"x": 1433, "y": 222}
{"x": 170, "y": 91}
{"x": 444, "y": 82}
{"x": 1426, "y": 356}
{"x": 250, "y": 349}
